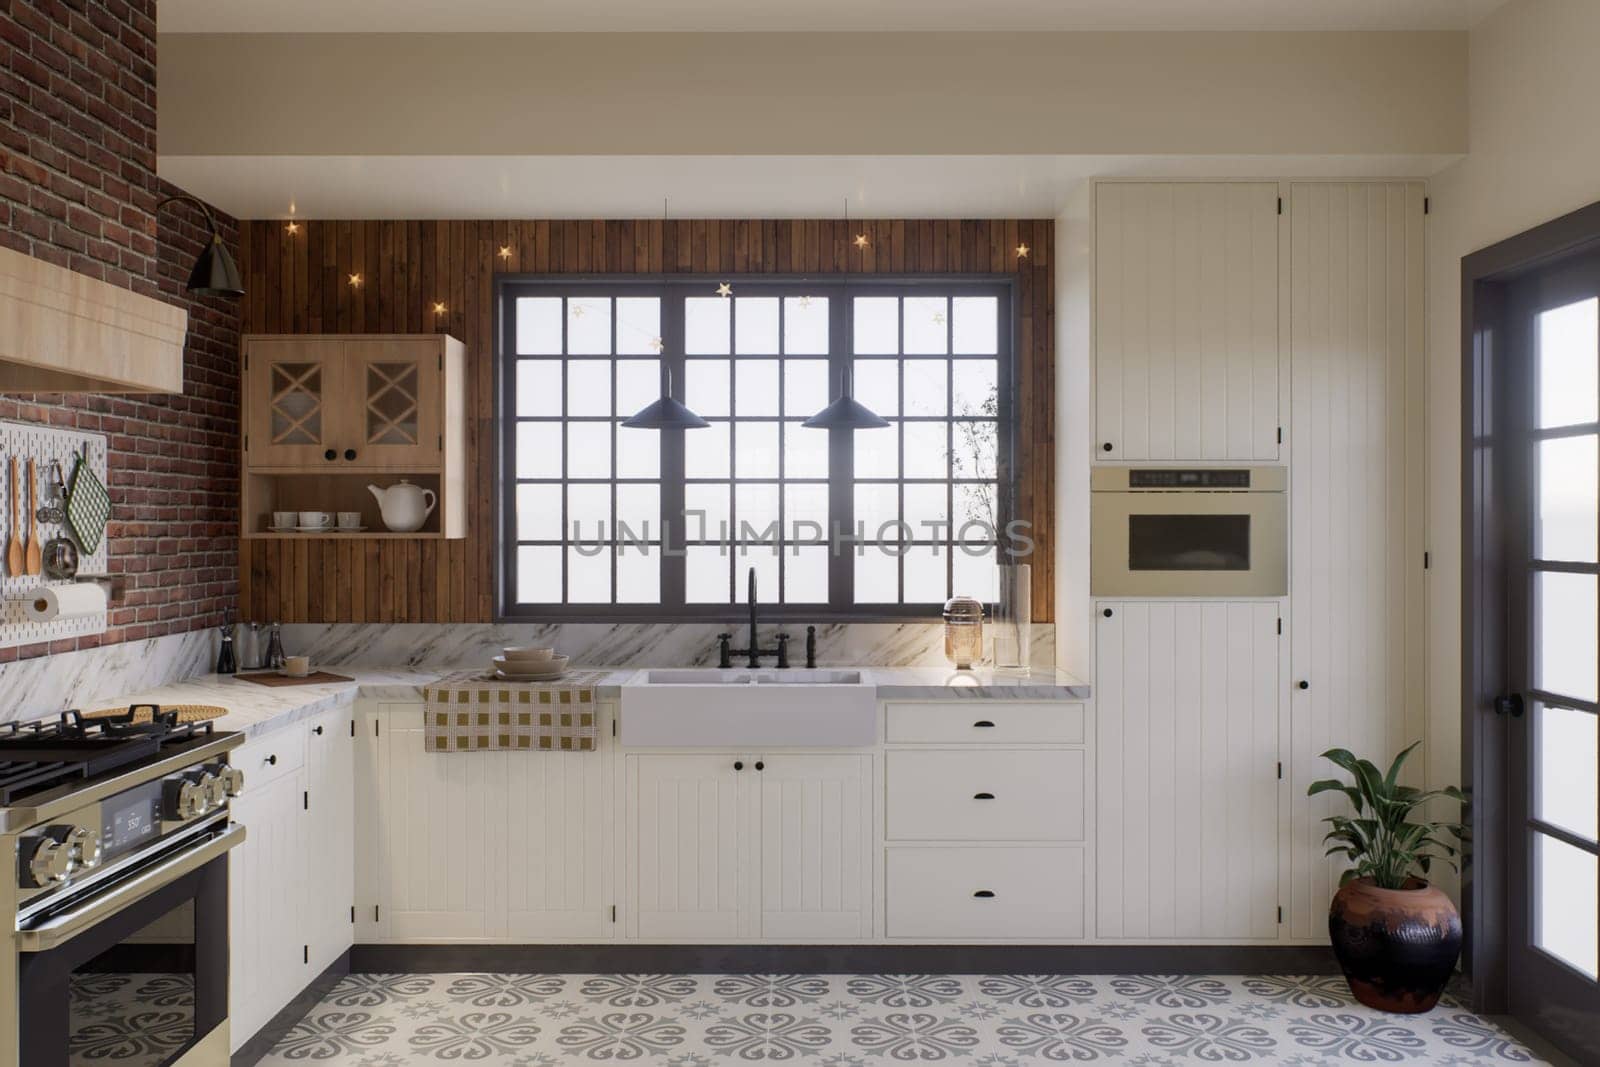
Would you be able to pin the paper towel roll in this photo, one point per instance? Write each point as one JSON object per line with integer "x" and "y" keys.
{"x": 51, "y": 602}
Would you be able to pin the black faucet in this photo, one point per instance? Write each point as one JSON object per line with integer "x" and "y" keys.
{"x": 753, "y": 650}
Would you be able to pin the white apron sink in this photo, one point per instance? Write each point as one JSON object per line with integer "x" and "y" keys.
{"x": 741, "y": 708}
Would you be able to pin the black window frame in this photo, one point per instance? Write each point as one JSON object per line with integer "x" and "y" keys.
{"x": 840, "y": 289}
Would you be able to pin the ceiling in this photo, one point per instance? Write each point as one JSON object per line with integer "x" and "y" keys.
{"x": 505, "y": 16}
{"x": 430, "y": 187}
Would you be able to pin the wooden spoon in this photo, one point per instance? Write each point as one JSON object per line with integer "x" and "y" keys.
{"x": 14, "y": 550}
{"x": 35, "y": 549}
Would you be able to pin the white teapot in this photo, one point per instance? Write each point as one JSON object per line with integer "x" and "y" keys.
{"x": 404, "y": 507}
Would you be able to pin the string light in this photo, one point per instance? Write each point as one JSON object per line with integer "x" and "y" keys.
{"x": 804, "y": 301}
{"x": 438, "y": 308}
{"x": 1022, "y": 251}
{"x": 355, "y": 281}
{"x": 292, "y": 228}
{"x": 724, "y": 290}
{"x": 861, "y": 240}
{"x": 505, "y": 251}
{"x": 577, "y": 310}
{"x": 658, "y": 344}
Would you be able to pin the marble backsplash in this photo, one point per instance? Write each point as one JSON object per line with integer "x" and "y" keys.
{"x": 907, "y": 644}
{"x": 94, "y": 677}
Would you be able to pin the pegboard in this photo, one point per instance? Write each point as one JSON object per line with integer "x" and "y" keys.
{"x": 44, "y": 445}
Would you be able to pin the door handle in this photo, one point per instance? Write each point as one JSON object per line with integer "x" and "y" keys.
{"x": 1509, "y": 704}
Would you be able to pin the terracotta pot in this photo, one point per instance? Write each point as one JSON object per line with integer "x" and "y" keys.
{"x": 1398, "y": 947}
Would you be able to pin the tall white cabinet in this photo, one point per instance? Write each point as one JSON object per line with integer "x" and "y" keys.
{"x": 1248, "y": 321}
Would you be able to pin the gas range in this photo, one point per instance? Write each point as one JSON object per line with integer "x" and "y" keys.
{"x": 107, "y": 822}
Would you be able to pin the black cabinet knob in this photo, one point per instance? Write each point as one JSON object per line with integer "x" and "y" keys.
{"x": 984, "y": 894}
{"x": 350, "y": 453}
{"x": 273, "y": 759}
{"x": 1107, "y": 613}
{"x": 738, "y": 764}
{"x": 1303, "y": 685}
{"x": 330, "y": 455}
{"x": 760, "y": 766}
{"x": 317, "y": 730}
{"x": 1106, "y": 447}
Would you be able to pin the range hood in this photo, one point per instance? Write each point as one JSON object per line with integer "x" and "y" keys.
{"x": 65, "y": 332}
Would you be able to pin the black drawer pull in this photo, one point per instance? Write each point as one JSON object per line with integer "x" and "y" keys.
{"x": 983, "y": 724}
{"x": 984, "y": 894}
{"x": 317, "y": 731}
{"x": 273, "y": 759}
{"x": 983, "y": 796}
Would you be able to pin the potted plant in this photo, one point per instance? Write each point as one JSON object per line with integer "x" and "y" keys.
{"x": 1396, "y": 935}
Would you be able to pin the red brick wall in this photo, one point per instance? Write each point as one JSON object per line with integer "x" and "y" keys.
{"x": 78, "y": 188}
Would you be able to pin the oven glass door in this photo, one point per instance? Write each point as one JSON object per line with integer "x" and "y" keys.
{"x": 133, "y": 1005}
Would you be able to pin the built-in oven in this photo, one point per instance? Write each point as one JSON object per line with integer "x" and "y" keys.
{"x": 1189, "y": 532}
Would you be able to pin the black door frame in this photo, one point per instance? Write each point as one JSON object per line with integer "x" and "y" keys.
{"x": 1493, "y": 469}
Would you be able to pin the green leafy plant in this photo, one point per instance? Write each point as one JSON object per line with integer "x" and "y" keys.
{"x": 1381, "y": 840}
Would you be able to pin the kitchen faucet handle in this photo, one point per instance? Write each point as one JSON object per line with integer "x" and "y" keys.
{"x": 724, "y": 651}
{"x": 783, "y": 650}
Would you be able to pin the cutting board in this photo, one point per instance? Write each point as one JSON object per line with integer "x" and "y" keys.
{"x": 186, "y": 712}
{"x": 273, "y": 678}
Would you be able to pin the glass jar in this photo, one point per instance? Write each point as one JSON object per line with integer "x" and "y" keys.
{"x": 963, "y": 631}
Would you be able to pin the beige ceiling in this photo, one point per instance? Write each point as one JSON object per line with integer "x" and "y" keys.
{"x": 434, "y": 16}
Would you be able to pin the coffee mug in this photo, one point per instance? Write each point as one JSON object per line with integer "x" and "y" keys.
{"x": 283, "y": 520}
{"x": 319, "y": 519}
{"x": 297, "y": 666}
{"x": 349, "y": 520}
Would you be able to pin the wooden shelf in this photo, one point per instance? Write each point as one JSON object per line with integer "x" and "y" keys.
{"x": 339, "y": 535}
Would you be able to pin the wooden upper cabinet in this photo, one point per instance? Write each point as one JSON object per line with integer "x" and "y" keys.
{"x": 289, "y": 388}
{"x": 1187, "y": 294}
{"x": 400, "y": 386}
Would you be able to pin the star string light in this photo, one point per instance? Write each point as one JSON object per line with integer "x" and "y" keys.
{"x": 724, "y": 290}
{"x": 292, "y": 228}
{"x": 861, "y": 240}
{"x": 355, "y": 281}
{"x": 505, "y": 251}
{"x": 1022, "y": 251}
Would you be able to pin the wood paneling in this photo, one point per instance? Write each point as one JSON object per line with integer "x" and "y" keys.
{"x": 301, "y": 282}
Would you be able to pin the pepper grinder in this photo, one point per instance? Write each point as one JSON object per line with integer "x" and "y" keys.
{"x": 249, "y": 651}
{"x": 226, "y": 664}
{"x": 273, "y": 660}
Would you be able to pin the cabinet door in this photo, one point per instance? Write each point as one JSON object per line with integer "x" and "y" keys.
{"x": 816, "y": 813}
{"x": 392, "y": 404}
{"x": 292, "y": 393}
{"x": 330, "y": 797}
{"x": 558, "y": 844}
{"x": 433, "y": 832}
{"x": 371, "y": 796}
{"x": 1186, "y": 321}
{"x": 266, "y": 903}
{"x": 1188, "y": 695}
{"x": 690, "y": 829}
{"x": 1357, "y": 633}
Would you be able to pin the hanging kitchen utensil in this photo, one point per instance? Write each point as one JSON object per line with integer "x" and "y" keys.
{"x": 60, "y": 559}
{"x": 35, "y": 548}
{"x": 14, "y": 558}
{"x": 88, "y": 505}
{"x": 55, "y": 492}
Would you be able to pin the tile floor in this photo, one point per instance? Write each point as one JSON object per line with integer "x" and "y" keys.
{"x": 542, "y": 1020}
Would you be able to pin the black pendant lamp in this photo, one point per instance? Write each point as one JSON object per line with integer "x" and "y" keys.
{"x": 846, "y": 413}
{"x": 215, "y": 273}
{"x": 666, "y": 413}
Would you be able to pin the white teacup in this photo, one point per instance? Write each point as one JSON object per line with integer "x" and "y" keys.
{"x": 320, "y": 520}
{"x": 349, "y": 520}
{"x": 297, "y": 666}
{"x": 283, "y": 520}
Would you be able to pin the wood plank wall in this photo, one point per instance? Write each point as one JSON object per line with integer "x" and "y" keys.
{"x": 300, "y": 283}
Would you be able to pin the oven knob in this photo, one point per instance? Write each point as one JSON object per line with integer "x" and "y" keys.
{"x": 85, "y": 845}
{"x": 182, "y": 799}
{"x": 232, "y": 779}
{"x": 46, "y": 858}
{"x": 216, "y": 792}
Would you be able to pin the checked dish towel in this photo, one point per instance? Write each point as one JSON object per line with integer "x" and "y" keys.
{"x": 472, "y": 712}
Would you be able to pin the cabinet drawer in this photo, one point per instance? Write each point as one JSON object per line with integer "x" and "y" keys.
{"x": 985, "y": 722}
{"x": 984, "y": 892}
{"x": 985, "y": 795}
{"x": 271, "y": 756}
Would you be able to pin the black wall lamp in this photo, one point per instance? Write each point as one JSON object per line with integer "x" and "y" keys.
{"x": 215, "y": 273}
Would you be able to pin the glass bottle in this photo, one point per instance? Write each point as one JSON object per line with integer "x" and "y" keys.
{"x": 226, "y": 664}
{"x": 273, "y": 660}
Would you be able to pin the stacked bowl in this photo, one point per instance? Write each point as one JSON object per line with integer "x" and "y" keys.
{"x": 529, "y": 663}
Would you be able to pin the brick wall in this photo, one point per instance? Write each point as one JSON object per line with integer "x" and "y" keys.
{"x": 78, "y": 188}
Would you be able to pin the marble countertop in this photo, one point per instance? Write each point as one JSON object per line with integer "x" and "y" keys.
{"x": 254, "y": 709}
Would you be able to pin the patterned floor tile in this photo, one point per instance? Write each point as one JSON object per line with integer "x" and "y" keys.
{"x": 542, "y": 1020}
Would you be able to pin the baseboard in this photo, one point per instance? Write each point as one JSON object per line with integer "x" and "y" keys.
{"x": 266, "y": 1039}
{"x": 843, "y": 959}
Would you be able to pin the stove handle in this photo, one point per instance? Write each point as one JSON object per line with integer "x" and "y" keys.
{"x": 63, "y": 927}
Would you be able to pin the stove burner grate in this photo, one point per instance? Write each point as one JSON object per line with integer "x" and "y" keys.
{"x": 41, "y": 755}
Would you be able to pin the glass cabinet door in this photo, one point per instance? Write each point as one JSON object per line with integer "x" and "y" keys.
{"x": 289, "y": 421}
{"x": 394, "y": 403}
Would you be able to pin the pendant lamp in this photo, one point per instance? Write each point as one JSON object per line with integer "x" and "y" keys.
{"x": 846, "y": 413}
{"x": 666, "y": 413}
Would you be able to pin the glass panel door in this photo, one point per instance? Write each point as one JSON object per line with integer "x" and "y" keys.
{"x": 1555, "y": 957}
{"x": 289, "y": 419}
{"x": 394, "y": 414}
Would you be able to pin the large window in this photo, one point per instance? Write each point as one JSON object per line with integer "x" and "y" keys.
{"x": 602, "y": 520}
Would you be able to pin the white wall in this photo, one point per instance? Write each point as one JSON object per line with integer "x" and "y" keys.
{"x": 1533, "y": 155}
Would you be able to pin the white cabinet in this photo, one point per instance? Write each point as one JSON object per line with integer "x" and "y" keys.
{"x": 773, "y": 846}
{"x": 479, "y": 846}
{"x": 1187, "y": 698}
{"x": 289, "y": 891}
{"x": 1356, "y": 574}
{"x": 1186, "y": 314}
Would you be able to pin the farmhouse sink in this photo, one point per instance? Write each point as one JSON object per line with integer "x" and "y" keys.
{"x": 692, "y": 708}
